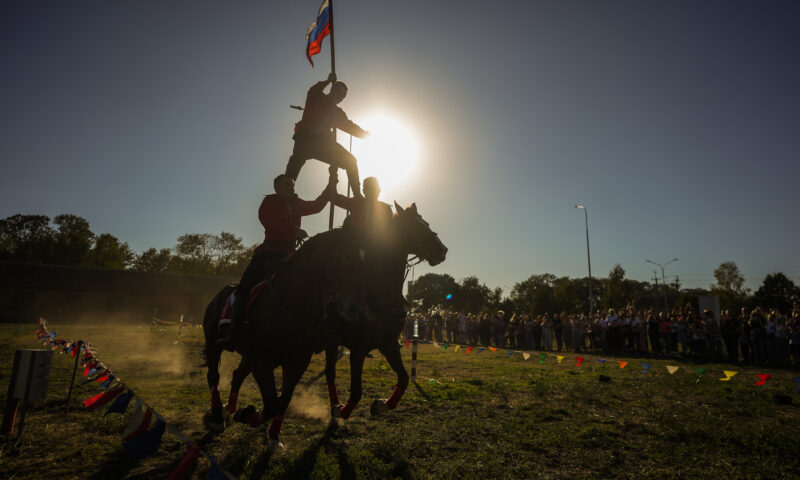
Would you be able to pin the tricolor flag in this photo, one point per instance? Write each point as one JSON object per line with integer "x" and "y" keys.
{"x": 318, "y": 30}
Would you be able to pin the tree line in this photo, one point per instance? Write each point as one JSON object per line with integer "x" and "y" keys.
{"x": 68, "y": 240}
{"x": 548, "y": 293}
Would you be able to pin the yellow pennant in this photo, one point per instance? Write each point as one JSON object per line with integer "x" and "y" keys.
{"x": 672, "y": 369}
{"x": 457, "y": 347}
{"x": 728, "y": 375}
{"x": 526, "y": 355}
{"x": 435, "y": 344}
{"x": 559, "y": 358}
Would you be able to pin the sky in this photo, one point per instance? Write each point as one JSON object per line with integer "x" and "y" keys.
{"x": 677, "y": 124}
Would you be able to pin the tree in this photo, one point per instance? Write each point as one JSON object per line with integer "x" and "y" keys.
{"x": 26, "y": 238}
{"x": 109, "y": 252}
{"x": 152, "y": 260}
{"x": 619, "y": 291}
{"x": 471, "y": 296}
{"x": 73, "y": 240}
{"x": 432, "y": 289}
{"x": 730, "y": 286}
{"x": 777, "y": 291}
{"x": 535, "y": 294}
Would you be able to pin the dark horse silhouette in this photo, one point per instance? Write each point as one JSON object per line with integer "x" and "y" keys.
{"x": 285, "y": 324}
{"x": 384, "y": 272}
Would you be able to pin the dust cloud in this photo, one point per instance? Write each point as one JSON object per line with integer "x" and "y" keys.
{"x": 307, "y": 401}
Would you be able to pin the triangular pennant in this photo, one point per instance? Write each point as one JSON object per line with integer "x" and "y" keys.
{"x": 510, "y": 352}
{"x": 763, "y": 377}
{"x": 559, "y": 358}
{"x": 672, "y": 369}
{"x": 120, "y": 403}
{"x": 101, "y": 399}
{"x": 480, "y": 350}
{"x": 492, "y": 348}
{"x": 542, "y": 356}
{"x": 458, "y": 347}
{"x": 797, "y": 380}
{"x": 469, "y": 350}
{"x": 139, "y": 421}
{"x": 146, "y": 442}
{"x": 601, "y": 360}
{"x": 728, "y": 375}
{"x": 435, "y": 344}
{"x": 526, "y": 356}
{"x": 645, "y": 367}
{"x": 700, "y": 372}
{"x": 186, "y": 462}
{"x": 580, "y": 361}
{"x": 108, "y": 381}
{"x": 102, "y": 378}
{"x": 622, "y": 363}
{"x": 445, "y": 346}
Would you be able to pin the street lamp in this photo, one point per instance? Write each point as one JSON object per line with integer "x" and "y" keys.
{"x": 663, "y": 279}
{"x": 588, "y": 257}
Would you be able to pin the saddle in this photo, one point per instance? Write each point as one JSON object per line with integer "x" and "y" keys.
{"x": 227, "y": 310}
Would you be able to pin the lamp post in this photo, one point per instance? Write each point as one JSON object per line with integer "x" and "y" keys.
{"x": 588, "y": 257}
{"x": 663, "y": 279}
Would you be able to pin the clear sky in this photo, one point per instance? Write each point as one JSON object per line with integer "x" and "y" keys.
{"x": 676, "y": 123}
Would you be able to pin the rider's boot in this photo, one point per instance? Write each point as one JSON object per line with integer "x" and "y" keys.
{"x": 229, "y": 341}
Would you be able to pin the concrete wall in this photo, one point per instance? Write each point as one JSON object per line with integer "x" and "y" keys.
{"x": 73, "y": 294}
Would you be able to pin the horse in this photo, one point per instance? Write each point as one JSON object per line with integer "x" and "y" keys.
{"x": 284, "y": 323}
{"x": 386, "y": 268}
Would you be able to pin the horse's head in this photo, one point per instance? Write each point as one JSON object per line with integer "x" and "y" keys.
{"x": 416, "y": 237}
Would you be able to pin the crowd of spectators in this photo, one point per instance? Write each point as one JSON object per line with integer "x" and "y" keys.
{"x": 758, "y": 336}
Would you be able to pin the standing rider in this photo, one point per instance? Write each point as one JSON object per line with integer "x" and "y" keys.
{"x": 313, "y": 137}
{"x": 280, "y": 215}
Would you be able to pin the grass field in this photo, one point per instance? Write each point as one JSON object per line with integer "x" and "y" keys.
{"x": 484, "y": 416}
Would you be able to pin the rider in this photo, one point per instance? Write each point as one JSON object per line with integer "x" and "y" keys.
{"x": 313, "y": 137}
{"x": 280, "y": 215}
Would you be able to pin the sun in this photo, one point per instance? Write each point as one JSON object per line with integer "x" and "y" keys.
{"x": 390, "y": 153}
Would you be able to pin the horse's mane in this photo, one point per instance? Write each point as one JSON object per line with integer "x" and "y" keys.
{"x": 311, "y": 245}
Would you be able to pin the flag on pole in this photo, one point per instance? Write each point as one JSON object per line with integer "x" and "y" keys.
{"x": 318, "y": 30}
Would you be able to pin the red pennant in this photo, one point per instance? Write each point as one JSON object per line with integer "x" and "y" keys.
{"x": 580, "y": 361}
{"x": 101, "y": 399}
{"x": 186, "y": 462}
{"x": 622, "y": 363}
{"x": 102, "y": 378}
{"x": 469, "y": 349}
{"x": 763, "y": 377}
{"x": 143, "y": 425}
{"x": 407, "y": 342}
{"x": 73, "y": 351}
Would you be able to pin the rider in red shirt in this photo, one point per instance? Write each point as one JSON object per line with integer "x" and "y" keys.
{"x": 313, "y": 137}
{"x": 280, "y": 215}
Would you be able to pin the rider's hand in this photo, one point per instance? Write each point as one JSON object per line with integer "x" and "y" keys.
{"x": 332, "y": 77}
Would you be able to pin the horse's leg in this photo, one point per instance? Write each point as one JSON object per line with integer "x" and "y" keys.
{"x": 356, "y": 367}
{"x": 241, "y": 372}
{"x": 291, "y": 376}
{"x": 214, "y": 421}
{"x": 331, "y": 356}
{"x": 391, "y": 350}
{"x": 265, "y": 379}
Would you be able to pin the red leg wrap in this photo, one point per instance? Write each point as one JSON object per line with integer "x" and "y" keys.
{"x": 348, "y": 409}
{"x": 275, "y": 427}
{"x": 333, "y": 394}
{"x": 395, "y": 398}
{"x": 233, "y": 402}
{"x": 216, "y": 401}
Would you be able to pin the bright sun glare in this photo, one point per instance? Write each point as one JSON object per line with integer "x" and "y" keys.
{"x": 390, "y": 153}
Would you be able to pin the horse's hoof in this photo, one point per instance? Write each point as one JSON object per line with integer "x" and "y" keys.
{"x": 336, "y": 411}
{"x": 273, "y": 445}
{"x": 243, "y": 414}
{"x": 378, "y": 407}
{"x": 228, "y": 418}
{"x": 211, "y": 425}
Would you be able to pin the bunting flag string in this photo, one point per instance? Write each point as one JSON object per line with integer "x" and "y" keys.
{"x": 141, "y": 437}
{"x": 560, "y": 358}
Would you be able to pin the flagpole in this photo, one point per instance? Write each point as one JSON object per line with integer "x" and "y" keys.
{"x": 333, "y": 71}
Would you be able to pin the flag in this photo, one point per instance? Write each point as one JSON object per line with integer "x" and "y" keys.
{"x": 601, "y": 360}
{"x": 622, "y": 363}
{"x": 435, "y": 344}
{"x": 700, "y": 372}
{"x": 318, "y": 30}
{"x": 139, "y": 422}
{"x": 493, "y": 349}
{"x": 763, "y": 378}
{"x": 526, "y": 356}
{"x": 480, "y": 350}
{"x": 672, "y": 369}
{"x": 120, "y": 403}
{"x": 510, "y": 352}
{"x": 728, "y": 375}
{"x": 445, "y": 346}
{"x": 469, "y": 350}
{"x": 645, "y": 367}
{"x": 186, "y": 462}
{"x": 147, "y": 442}
{"x": 457, "y": 347}
{"x": 542, "y": 356}
{"x": 797, "y": 380}
{"x": 108, "y": 381}
{"x": 559, "y": 358}
{"x": 580, "y": 361}
{"x": 101, "y": 399}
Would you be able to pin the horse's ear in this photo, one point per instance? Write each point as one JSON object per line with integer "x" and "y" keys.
{"x": 398, "y": 208}
{"x": 414, "y": 207}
